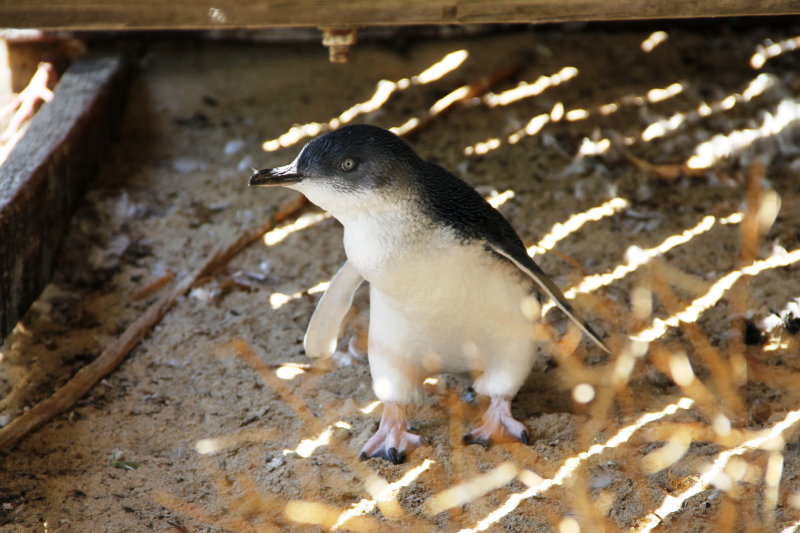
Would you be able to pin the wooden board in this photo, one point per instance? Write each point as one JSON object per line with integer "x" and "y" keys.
{"x": 188, "y": 14}
{"x": 45, "y": 174}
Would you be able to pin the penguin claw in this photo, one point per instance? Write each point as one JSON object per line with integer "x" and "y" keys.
{"x": 497, "y": 425}
{"x": 395, "y": 456}
{"x": 469, "y": 438}
{"x": 392, "y": 454}
{"x": 392, "y": 441}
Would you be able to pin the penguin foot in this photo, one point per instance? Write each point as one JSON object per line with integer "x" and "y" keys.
{"x": 497, "y": 425}
{"x": 349, "y": 355}
{"x": 392, "y": 441}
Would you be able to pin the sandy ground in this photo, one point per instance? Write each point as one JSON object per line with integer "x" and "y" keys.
{"x": 126, "y": 457}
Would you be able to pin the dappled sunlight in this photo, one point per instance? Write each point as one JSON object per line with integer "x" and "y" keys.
{"x": 306, "y": 447}
{"x": 472, "y": 489}
{"x": 589, "y": 148}
{"x": 774, "y": 345}
{"x": 637, "y": 257}
{"x": 717, "y": 476}
{"x": 526, "y": 90}
{"x": 652, "y": 96}
{"x": 538, "y": 485}
{"x": 653, "y": 40}
{"x": 497, "y": 199}
{"x": 756, "y": 87}
{"x": 279, "y": 299}
{"x": 370, "y": 407}
{"x": 606, "y": 424}
{"x": 562, "y": 230}
{"x": 382, "y": 493}
{"x": 770, "y": 49}
{"x": 213, "y": 445}
{"x": 461, "y": 95}
{"x": 558, "y": 113}
{"x": 289, "y": 371}
{"x": 715, "y": 293}
{"x": 791, "y": 528}
{"x": 384, "y": 90}
{"x": 273, "y": 237}
{"x": 723, "y": 146}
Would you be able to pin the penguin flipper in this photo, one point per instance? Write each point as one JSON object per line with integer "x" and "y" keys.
{"x": 326, "y": 322}
{"x": 520, "y": 258}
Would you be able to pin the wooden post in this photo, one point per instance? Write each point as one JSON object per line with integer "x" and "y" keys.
{"x": 46, "y": 173}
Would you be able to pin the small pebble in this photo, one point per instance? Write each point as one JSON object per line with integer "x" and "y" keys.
{"x": 185, "y": 165}
{"x": 233, "y": 146}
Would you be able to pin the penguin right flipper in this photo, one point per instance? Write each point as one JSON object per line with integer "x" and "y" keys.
{"x": 326, "y": 322}
{"x": 519, "y": 257}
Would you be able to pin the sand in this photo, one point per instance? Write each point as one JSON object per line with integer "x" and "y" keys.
{"x": 126, "y": 457}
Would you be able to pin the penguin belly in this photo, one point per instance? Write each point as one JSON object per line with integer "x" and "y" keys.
{"x": 442, "y": 306}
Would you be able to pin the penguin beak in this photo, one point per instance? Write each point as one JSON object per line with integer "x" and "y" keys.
{"x": 270, "y": 177}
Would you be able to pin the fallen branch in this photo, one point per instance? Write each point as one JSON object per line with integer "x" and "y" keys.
{"x": 287, "y": 210}
{"x": 88, "y": 376}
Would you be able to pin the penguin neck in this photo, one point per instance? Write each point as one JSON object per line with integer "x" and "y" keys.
{"x": 362, "y": 208}
{"x": 381, "y": 216}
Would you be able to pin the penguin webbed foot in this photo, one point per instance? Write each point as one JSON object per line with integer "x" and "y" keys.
{"x": 497, "y": 425}
{"x": 392, "y": 441}
{"x": 348, "y": 353}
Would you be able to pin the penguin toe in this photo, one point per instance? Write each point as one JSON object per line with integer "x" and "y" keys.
{"x": 483, "y": 440}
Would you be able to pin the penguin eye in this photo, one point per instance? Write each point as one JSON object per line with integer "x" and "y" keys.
{"x": 348, "y": 164}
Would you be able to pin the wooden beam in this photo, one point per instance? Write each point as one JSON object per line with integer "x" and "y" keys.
{"x": 193, "y": 14}
{"x": 45, "y": 174}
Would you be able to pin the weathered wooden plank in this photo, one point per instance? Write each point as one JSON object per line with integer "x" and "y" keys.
{"x": 188, "y": 14}
{"x": 45, "y": 174}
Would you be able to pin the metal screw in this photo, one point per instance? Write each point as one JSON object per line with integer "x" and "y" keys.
{"x": 338, "y": 41}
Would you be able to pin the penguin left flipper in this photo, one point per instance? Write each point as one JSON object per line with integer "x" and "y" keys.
{"x": 326, "y": 322}
{"x": 520, "y": 258}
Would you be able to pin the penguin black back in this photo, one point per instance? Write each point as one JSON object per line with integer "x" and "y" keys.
{"x": 449, "y": 200}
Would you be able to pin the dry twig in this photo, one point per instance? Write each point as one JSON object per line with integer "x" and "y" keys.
{"x": 460, "y": 95}
{"x": 25, "y": 104}
{"x": 114, "y": 354}
{"x": 153, "y": 286}
{"x": 663, "y": 171}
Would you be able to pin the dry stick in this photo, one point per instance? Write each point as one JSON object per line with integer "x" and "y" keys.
{"x": 462, "y": 94}
{"x": 748, "y": 250}
{"x": 153, "y": 286}
{"x": 88, "y": 376}
{"x": 663, "y": 171}
{"x": 720, "y": 372}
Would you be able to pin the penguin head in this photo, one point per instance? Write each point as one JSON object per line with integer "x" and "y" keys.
{"x": 352, "y": 163}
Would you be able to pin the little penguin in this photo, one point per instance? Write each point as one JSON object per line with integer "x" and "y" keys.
{"x": 452, "y": 288}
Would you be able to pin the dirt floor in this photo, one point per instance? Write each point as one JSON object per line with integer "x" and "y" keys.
{"x": 643, "y": 141}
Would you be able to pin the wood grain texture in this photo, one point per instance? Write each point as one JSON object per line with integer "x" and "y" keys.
{"x": 45, "y": 174}
{"x": 191, "y": 14}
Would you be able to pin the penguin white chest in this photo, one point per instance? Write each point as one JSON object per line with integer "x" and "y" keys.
{"x": 434, "y": 298}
